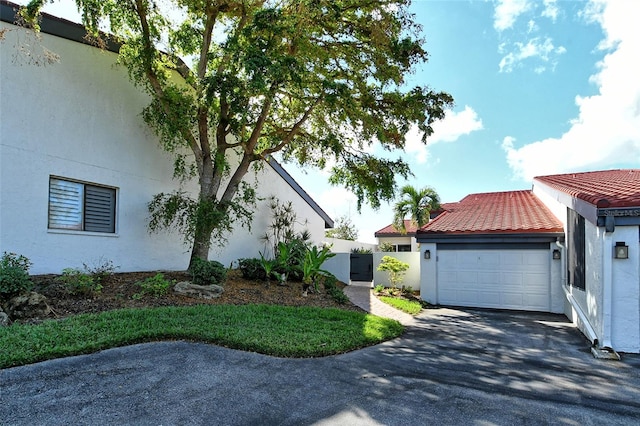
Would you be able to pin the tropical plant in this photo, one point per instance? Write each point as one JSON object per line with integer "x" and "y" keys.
{"x": 311, "y": 268}
{"x": 361, "y": 250}
{"x": 396, "y": 269}
{"x": 417, "y": 204}
{"x": 268, "y": 266}
{"x": 317, "y": 81}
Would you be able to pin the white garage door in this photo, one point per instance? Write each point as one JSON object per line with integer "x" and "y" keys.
{"x": 503, "y": 279}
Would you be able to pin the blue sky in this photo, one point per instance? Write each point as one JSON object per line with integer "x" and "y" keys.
{"x": 540, "y": 87}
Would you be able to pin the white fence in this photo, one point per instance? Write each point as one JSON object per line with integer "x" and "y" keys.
{"x": 340, "y": 266}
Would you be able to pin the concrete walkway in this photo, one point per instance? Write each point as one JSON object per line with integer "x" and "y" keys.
{"x": 360, "y": 294}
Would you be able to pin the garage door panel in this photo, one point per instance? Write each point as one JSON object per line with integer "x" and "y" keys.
{"x": 507, "y": 279}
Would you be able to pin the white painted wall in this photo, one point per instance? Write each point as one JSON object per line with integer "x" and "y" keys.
{"x": 625, "y": 291}
{"x": 611, "y": 299}
{"x": 340, "y": 266}
{"x": 412, "y": 276}
{"x": 80, "y": 119}
{"x": 405, "y": 240}
{"x": 345, "y": 246}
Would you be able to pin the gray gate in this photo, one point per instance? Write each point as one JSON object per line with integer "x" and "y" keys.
{"x": 361, "y": 267}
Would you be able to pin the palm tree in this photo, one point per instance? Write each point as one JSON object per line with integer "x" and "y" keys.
{"x": 417, "y": 204}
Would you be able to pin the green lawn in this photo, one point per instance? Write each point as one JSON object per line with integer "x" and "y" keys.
{"x": 268, "y": 329}
{"x": 412, "y": 307}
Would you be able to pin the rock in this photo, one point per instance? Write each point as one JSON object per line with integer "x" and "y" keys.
{"x": 28, "y": 305}
{"x": 189, "y": 289}
{"x": 4, "y": 318}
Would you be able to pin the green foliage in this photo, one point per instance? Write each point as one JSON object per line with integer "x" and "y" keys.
{"x": 318, "y": 82}
{"x": 251, "y": 269}
{"x": 268, "y": 265}
{"x": 101, "y": 269}
{"x": 208, "y": 272}
{"x": 396, "y": 269}
{"x": 193, "y": 217}
{"x": 282, "y": 331}
{"x": 156, "y": 286}
{"x": 417, "y": 204}
{"x": 14, "y": 274}
{"x": 361, "y": 250}
{"x": 412, "y": 307}
{"x": 313, "y": 260}
{"x": 79, "y": 282}
{"x": 378, "y": 288}
{"x": 386, "y": 247}
{"x": 332, "y": 290}
{"x": 343, "y": 229}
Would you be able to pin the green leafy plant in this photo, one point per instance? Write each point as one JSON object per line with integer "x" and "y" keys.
{"x": 386, "y": 247}
{"x": 268, "y": 265}
{"x": 332, "y": 290}
{"x": 207, "y": 272}
{"x": 156, "y": 286}
{"x": 79, "y": 282}
{"x": 311, "y": 268}
{"x": 361, "y": 250}
{"x": 251, "y": 269}
{"x": 396, "y": 269}
{"x": 378, "y": 288}
{"x": 14, "y": 274}
{"x": 101, "y": 269}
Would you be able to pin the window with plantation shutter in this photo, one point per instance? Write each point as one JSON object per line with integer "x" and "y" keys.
{"x": 82, "y": 207}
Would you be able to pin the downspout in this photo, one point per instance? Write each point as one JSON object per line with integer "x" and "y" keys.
{"x": 588, "y": 329}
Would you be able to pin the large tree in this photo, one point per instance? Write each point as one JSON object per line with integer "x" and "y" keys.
{"x": 319, "y": 81}
{"x": 417, "y": 205}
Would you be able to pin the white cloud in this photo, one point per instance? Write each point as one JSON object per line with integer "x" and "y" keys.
{"x": 606, "y": 131}
{"x": 550, "y": 10}
{"x": 507, "y": 11}
{"x": 536, "y": 48}
{"x": 454, "y": 125}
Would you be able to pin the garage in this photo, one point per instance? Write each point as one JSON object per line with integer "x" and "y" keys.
{"x": 499, "y": 250}
{"x": 494, "y": 278}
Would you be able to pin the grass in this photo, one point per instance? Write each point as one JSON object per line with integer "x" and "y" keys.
{"x": 412, "y": 307}
{"x": 282, "y": 331}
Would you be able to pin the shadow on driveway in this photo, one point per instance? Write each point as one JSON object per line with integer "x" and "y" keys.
{"x": 450, "y": 367}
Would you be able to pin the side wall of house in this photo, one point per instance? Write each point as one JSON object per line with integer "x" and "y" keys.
{"x": 608, "y": 308}
{"x": 80, "y": 119}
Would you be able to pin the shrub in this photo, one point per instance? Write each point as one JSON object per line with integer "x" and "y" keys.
{"x": 101, "y": 269}
{"x": 14, "y": 274}
{"x": 156, "y": 286}
{"x": 396, "y": 269}
{"x": 378, "y": 288}
{"x": 208, "y": 272}
{"x": 361, "y": 250}
{"x": 386, "y": 247}
{"x": 251, "y": 269}
{"x": 79, "y": 282}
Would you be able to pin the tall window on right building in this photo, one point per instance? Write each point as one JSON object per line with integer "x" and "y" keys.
{"x": 575, "y": 249}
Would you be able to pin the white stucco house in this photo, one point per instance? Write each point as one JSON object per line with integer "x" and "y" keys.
{"x": 72, "y": 136}
{"x": 401, "y": 241}
{"x": 570, "y": 245}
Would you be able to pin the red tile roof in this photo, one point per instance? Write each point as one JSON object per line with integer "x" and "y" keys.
{"x": 607, "y": 188}
{"x": 494, "y": 213}
{"x": 391, "y": 230}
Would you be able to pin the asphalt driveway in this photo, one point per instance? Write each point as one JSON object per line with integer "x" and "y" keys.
{"x": 451, "y": 367}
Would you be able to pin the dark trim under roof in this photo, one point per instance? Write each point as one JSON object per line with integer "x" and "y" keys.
{"x": 539, "y": 237}
{"x": 63, "y": 28}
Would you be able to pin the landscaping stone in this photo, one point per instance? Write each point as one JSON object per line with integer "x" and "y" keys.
{"x": 28, "y": 305}
{"x": 4, "y": 318}
{"x": 189, "y": 289}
